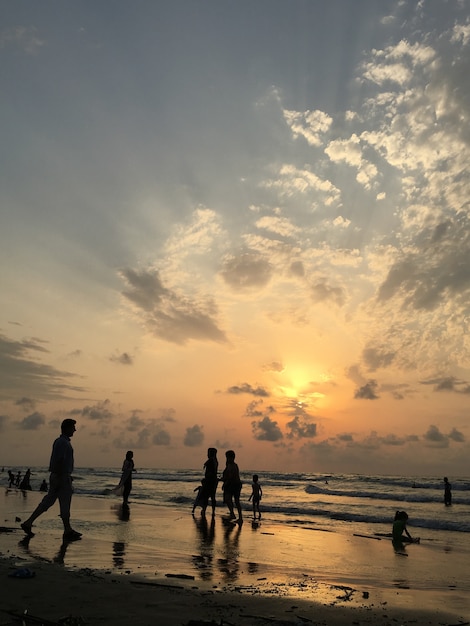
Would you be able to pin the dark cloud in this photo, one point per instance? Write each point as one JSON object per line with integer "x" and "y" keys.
{"x": 99, "y": 412}
{"x": 161, "y": 438}
{"x": 367, "y": 391}
{"x": 438, "y": 270}
{"x": 141, "y": 441}
{"x": 247, "y": 271}
{"x": 322, "y": 292}
{"x": 123, "y": 359}
{"x": 27, "y": 404}
{"x": 135, "y": 423}
{"x": 448, "y": 383}
{"x": 266, "y": 430}
{"x": 254, "y": 409}
{"x": 393, "y": 440}
{"x": 194, "y": 436}
{"x": 32, "y": 422}
{"x": 19, "y": 371}
{"x": 297, "y": 269}
{"x": 247, "y": 388}
{"x": 274, "y": 366}
{"x": 457, "y": 436}
{"x": 375, "y": 358}
{"x": 434, "y": 438}
{"x": 299, "y": 428}
{"x": 166, "y": 314}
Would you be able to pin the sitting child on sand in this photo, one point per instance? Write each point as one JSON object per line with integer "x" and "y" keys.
{"x": 400, "y": 532}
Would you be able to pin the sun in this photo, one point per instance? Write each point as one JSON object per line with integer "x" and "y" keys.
{"x": 301, "y": 383}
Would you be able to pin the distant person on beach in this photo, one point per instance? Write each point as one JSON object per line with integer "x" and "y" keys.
{"x": 43, "y": 486}
{"x": 211, "y": 479}
{"x": 232, "y": 486}
{"x": 25, "y": 484}
{"x": 202, "y": 497}
{"x": 400, "y": 532}
{"x": 11, "y": 479}
{"x": 126, "y": 478}
{"x": 18, "y": 479}
{"x": 447, "y": 492}
{"x": 256, "y": 495}
{"x": 60, "y": 483}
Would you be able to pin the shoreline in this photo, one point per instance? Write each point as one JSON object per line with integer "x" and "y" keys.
{"x": 234, "y": 575}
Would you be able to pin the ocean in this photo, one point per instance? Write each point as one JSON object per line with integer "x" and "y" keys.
{"x": 365, "y": 503}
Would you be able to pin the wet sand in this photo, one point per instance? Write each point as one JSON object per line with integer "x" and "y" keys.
{"x": 149, "y": 566}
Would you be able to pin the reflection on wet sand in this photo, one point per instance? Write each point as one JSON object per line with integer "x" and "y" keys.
{"x": 230, "y": 566}
{"x": 204, "y": 560}
{"x": 119, "y": 552}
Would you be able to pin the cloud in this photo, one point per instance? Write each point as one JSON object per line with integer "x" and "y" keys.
{"x": 194, "y": 436}
{"x": 448, "y": 383}
{"x": 145, "y": 432}
{"x": 274, "y": 366}
{"x": 375, "y": 358}
{"x": 301, "y": 429}
{"x": 311, "y": 125}
{"x": 247, "y": 271}
{"x": 266, "y": 430}
{"x": 98, "y": 412}
{"x": 252, "y": 409}
{"x": 19, "y": 371}
{"x": 124, "y": 359}
{"x": 434, "y": 438}
{"x": 322, "y": 292}
{"x": 367, "y": 391}
{"x": 247, "y": 388}
{"x": 27, "y": 404}
{"x": 32, "y": 422}
{"x": 293, "y": 181}
{"x": 168, "y": 315}
{"x": 161, "y": 438}
{"x": 23, "y": 37}
{"x": 278, "y": 225}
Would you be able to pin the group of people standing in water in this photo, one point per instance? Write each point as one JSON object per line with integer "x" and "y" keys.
{"x": 231, "y": 487}
{"x": 207, "y": 490}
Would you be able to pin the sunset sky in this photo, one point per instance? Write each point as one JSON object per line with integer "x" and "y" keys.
{"x": 237, "y": 224}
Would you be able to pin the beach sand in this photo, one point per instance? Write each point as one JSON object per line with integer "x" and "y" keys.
{"x": 157, "y": 566}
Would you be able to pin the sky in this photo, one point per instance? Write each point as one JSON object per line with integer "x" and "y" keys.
{"x": 237, "y": 224}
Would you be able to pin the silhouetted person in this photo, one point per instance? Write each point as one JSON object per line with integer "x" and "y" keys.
{"x": 202, "y": 497}
{"x": 447, "y": 492}
{"x": 25, "y": 484}
{"x": 18, "y": 479}
{"x": 400, "y": 532}
{"x": 11, "y": 479}
{"x": 60, "y": 483}
{"x": 43, "y": 486}
{"x": 232, "y": 486}
{"x": 126, "y": 478}
{"x": 256, "y": 495}
{"x": 211, "y": 479}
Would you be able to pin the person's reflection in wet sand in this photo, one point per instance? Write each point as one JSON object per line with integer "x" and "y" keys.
{"x": 229, "y": 566}
{"x": 122, "y": 511}
{"x": 60, "y": 556}
{"x": 119, "y": 552}
{"x": 204, "y": 560}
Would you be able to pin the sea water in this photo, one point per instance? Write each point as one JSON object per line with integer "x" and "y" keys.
{"x": 364, "y": 503}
